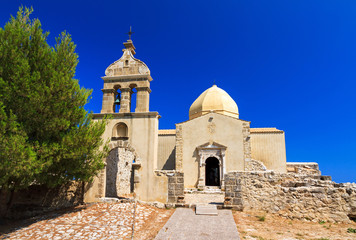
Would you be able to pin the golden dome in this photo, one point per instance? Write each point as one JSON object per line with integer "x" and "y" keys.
{"x": 214, "y": 99}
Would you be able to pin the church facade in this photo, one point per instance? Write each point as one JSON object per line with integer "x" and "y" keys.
{"x": 212, "y": 158}
{"x": 199, "y": 152}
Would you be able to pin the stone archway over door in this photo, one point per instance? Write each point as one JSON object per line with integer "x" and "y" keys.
{"x": 119, "y": 172}
{"x": 211, "y": 150}
{"x": 212, "y": 172}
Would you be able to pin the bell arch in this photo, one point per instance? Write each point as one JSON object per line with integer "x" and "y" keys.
{"x": 120, "y": 132}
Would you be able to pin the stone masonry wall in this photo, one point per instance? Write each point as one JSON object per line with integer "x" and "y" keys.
{"x": 308, "y": 197}
{"x": 118, "y": 172}
{"x": 176, "y": 187}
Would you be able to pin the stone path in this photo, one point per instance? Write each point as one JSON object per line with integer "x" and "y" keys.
{"x": 184, "y": 224}
{"x": 100, "y": 221}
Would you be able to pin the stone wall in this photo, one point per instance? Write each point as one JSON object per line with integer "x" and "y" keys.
{"x": 308, "y": 168}
{"x": 254, "y": 165}
{"x": 179, "y": 147}
{"x": 118, "y": 172}
{"x": 39, "y": 199}
{"x": 246, "y": 140}
{"x": 290, "y": 195}
{"x": 175, "y": 187}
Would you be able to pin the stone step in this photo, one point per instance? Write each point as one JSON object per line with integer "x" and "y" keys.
{"x": 206, "y": 210}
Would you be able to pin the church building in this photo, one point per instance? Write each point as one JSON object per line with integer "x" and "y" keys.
{"x": 160, "y": 165}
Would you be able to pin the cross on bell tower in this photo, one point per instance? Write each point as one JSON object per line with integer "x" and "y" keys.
{"x": 130, "y": 33}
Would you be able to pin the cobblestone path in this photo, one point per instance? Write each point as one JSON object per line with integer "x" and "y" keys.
{"x": 100, "y": 221}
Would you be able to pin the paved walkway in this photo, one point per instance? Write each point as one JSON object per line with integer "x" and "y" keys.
{"x": 184, "y": 224}
{"x": 100, "y": 221}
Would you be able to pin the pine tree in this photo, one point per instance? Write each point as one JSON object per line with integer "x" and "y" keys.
{"x": 46, "y": 135}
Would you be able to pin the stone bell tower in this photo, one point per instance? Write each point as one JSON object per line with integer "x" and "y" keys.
{"x": 122, "y": 78}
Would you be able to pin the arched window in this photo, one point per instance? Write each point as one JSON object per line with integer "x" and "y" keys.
{"x": 133, "y": 97}
{"x": 117, "y": 98}
{"x": 120, "y": 132}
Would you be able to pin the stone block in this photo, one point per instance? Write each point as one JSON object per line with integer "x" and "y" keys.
{"x": 180, "y": 180}
{"x": 206, "y": 210}
{"x": 229, "y": 194}
{"x": 170, "y": 192}
{"x": 172, "y": 199}
{"x": 179, "y": 174}
{"x": 237, "y": 195}
{"x": 237, "y": 201}
{"x": 179, "y": 187}
{"x": 171, "y": 186}
{"x": 171, "y": 180}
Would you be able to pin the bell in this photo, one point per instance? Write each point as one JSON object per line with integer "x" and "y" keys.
{"x": 117, "y": 101}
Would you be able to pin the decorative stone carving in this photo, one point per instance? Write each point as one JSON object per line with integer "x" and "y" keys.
{"x": 211, "y": 150}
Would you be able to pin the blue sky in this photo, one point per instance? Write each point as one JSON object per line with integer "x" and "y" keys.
{"x": 287, "y": 64}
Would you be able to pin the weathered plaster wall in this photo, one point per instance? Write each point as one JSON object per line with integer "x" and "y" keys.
{"x": 291, "y": 195}
{"x": 212, "y": 127}
{"x": 143, "y": 139}
{"x": 166, "y": 152}
{"x": 269, "y": 148}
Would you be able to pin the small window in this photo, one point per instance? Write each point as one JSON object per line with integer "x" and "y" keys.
{"x": 126, "y": 62}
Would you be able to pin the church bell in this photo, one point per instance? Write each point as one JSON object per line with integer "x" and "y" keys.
{"x": 117, "y": 101}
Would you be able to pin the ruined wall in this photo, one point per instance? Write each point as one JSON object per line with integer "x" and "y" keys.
{"x": 291, "y": 195}
{"x": 38, "y": 199}
{"x": 118, "y": 172}
{"x": 175, "y": 187}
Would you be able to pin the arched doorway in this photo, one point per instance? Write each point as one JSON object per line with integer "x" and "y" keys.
{"x": 212, "y": 172}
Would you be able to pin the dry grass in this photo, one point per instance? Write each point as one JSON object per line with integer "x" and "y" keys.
{"x": 274, "y": 227}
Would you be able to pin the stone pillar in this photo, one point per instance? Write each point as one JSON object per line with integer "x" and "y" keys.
{"x": 201, "y": 180}
{"x": 142, "y": 99}
{"x": 108, "y": 101}
{"x": 223, "y": 170}
{"x": 125, "y": 101}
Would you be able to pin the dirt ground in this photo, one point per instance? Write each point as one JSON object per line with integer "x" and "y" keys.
{"x": 262, "y": 226}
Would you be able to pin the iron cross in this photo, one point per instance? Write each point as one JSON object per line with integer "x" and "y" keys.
{"x": 130, "y": 33}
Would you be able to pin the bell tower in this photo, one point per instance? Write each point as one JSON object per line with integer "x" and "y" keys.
{"x": 123, "y": 78}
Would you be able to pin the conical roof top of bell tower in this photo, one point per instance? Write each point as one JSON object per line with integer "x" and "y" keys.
{"x": 127, "y": 65}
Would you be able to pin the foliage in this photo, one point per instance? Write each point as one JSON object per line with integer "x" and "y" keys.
{"x": 351, "y": 230}
{"x": 261, "y": 218}
{"x": 46, "y": 135}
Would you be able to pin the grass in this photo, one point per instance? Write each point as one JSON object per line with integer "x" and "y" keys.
{"x": 261, "y": 218}
{"x": 351, "y": 230}
{"x": 321, "y": 222}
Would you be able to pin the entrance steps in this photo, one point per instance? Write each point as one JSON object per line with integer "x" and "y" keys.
{"x": 207, "y": 196}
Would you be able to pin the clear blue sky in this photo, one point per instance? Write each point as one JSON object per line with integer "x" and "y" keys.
{"x": 287, "y": 64}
